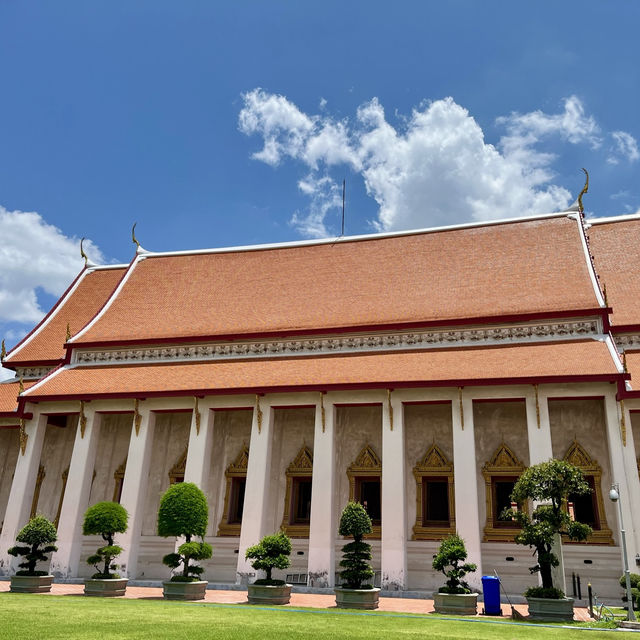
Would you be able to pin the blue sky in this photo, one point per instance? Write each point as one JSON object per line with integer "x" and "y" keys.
{"x": 227, "y": 123}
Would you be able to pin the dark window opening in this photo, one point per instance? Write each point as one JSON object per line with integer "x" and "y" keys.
{"x": 236, "y": 500}
{"x": 369, "y": 497}
{"x": 585, "y": 509}
{"x": 502, "y": 490}
{"x": 176, "y": 479}
{"x": 435, "y": 502}
{"x": 301, "y": 511}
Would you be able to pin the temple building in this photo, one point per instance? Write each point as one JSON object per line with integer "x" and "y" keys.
{"x": 418, "y": 372}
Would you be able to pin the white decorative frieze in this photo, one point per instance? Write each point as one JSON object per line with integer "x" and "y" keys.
{"x": 32, "y": 373}
{"x": 627, "y": 341}
{"x": 399, "y": 341}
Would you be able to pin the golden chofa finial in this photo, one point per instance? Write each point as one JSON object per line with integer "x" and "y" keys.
{"x": 3, "y": 351}
{"x": 83, "y": 254}
{"x": 133, "y": 235}
{"x": 20, "y": 386}
{"x": 68, "y": 333}
{"x": 584, "y": 190}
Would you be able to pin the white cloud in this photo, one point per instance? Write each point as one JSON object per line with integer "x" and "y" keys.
{"x": 625, "y": 145}
{"x": 432, "y": 168}
{"x": 34, "y": 254}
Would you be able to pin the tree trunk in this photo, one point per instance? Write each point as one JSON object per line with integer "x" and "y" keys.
{"x": 268, "y": 570}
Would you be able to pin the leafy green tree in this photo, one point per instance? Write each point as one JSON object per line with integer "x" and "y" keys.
{"x": 452, "y": 553}
{"x": 272, "y": 552}
{"x": 184, "y": 512}
{"x": 548, "y": 484}
{"x": 355, "y": 523}
{"x": 635, "y": 588}
{"x": 37, "y": 532}
{"x": 105, "y": 519}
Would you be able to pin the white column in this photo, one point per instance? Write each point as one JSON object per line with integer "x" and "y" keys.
{"x": 466, "y": 484}
{"x": 541, "y": 450}
{"x": 22, "y": 488}
{"x": 199, "y": 450}
{"x": 255, "y": 516}
{"x": 65, "y": 562}
{"x": 323, "y": 526}
{"x": 394, "y": 513}
{"x": 134, "y": 490}
{"x": 633, "y": 482}
{"x": 618, "y": 474}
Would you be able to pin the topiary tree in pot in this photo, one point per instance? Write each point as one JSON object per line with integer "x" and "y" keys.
{"x": 37, "y": 538}
{"x": 105, "y": 519}
{"x": 272, "y": 552}
{"x": 354, "y": 593}
{"x": 455, "y": 596}
{"x": 184, "y": 513}
{"x": 548, "y": 484}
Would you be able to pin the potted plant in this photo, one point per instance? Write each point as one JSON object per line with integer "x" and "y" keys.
{"x": 455, "y": 596}
{"x": 272, "y": 552}
{"x": 356, "y": 523}
{"x": 548, "y": 484}
{"x": 634, "y": 578}
{"x": 38, "y": 536}
{"x": 184, "y": 513}
{"x": 105, "y": 519}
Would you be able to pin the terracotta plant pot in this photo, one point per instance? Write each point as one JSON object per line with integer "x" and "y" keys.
{"x": 105, "y": 588}
{"x": 184, "y": 590}
{"x": 459, "y": 604}
{"x": 357, "y": 598}
{"x": 551, "y": 609}
{"x": 31, "y": 584}
{"x": 269, "y": 594}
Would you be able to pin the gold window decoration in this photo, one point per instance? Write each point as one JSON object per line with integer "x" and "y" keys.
{"x": 65, "y": 477}
{"x": 297, "y": 502}
{"x": 36, "y": 492}
{"x": 176, "y": 473}
{"x": 365, "y": 486}
{"x": 435, "y": 496}
{"x": 236, "y": 475}
{"x": 118, "y": 476}
{"x": 589, "y": 509}
{"x": 500, "y": 475}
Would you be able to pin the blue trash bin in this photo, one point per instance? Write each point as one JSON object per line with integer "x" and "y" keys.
{"x": 491, "y": 592}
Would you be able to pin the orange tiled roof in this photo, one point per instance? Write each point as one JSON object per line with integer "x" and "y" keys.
{"x": 46, "y": 342}
{"x": 525, "y": 267}
{"x": 523, "y": 362}
{"x": 616, "y": 250}
{"x": 632, "y": 358}
{"x": 9, "y": 395}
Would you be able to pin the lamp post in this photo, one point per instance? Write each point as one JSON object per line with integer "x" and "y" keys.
{"x": 614, "y": 496}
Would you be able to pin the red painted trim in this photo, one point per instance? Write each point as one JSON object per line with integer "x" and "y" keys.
{"x": 16, "y": 414}
{"x": 357, "y": 404}
{"x": 634, "y": 410}
{"x": 613, "y": 377}
{"x": 60, "y": 413}
{"x": 48, "y": 315}
{"x": 171, "y": 410}
{"x": 559, "y": 398}
{"x": 232, "y": 408}
{"x": 486, "y": 400}
{"x": 417, "y": 402}
{"x": 127, "y": 412}
{"x": 322, "y": 331}
{"x": 625, "y": 328}
{"x": 293, "y": 406}
{"x": 31, "y": 363}
{"x": 9, "y": 426}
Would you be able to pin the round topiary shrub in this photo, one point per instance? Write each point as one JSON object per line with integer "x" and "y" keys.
{"x": 184, "y": 512}
{"x": 37, "y": 532}
{"x": 355, "y": 523}
{"x": 105, "y": 519}
{"x": 450, "y": 559}
{"x": 272, "y": 552}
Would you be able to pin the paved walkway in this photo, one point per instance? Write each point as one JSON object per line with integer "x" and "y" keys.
{"x": 314, "y": 600}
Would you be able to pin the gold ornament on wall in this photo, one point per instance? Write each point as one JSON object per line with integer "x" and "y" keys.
{"x": 196, "y": 415}
{"x": 137, "y": 418}
{"x": 68, "y": 336}
{"x": 461, "y": 408}
{"x": 322, "y": 414}
{"x": 390, "y": 409}
{"x": 20, "y": 386}
{"x": 623, "y": 424}
{"x": 82, "y": 420}
{"x": 23, "y": 437}
{"x": 258, "y": 413}
{"x": 535, "y": 388}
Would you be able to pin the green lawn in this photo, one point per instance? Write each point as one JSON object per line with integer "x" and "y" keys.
{"x": 68, "y": 617}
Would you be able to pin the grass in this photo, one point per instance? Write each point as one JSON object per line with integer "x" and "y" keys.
{"x": 68, "y": 617}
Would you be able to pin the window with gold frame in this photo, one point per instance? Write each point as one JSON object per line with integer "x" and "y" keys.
{"x": 297, "y": 502}
{"x": 176, "y": 473}
{"x": 434, "y": 483}
{"x": 236, "y": 475}
{"x": 365, "y": 486}
{"x": 500, "y": 475}
{"x": 592, "y": 505}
